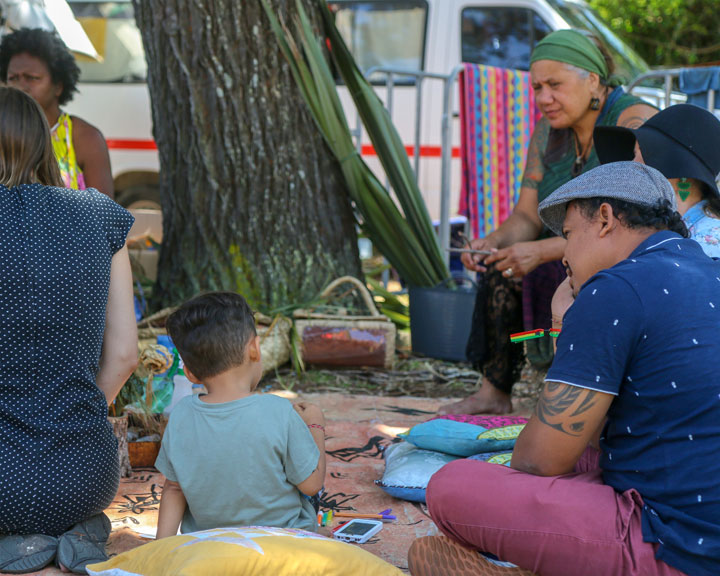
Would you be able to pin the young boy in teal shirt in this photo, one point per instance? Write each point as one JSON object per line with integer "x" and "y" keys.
{"x": 231, "y": 457}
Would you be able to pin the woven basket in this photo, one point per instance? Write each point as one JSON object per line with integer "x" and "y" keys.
{"x": 345, "y": 340}
{"x": 143, "y": 454}
{"x": 274, "y": 342}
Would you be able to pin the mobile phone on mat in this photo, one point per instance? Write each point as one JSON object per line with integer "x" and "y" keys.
{"x": 358, "y": 531}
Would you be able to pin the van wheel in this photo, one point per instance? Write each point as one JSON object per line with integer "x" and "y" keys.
{"x": 139, "y": 197}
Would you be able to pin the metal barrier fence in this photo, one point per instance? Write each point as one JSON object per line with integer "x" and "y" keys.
{"x": 670, "y": 93}
{"x": 419, "y": 77}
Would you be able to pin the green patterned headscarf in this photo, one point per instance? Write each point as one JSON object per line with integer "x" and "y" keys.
{"x": 574, "y": 48}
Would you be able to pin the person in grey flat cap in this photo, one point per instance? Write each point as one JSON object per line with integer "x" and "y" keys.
{"x": 617, "y": 470}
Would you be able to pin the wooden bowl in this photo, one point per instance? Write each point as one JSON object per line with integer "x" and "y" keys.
{"x": 143, "y": 454}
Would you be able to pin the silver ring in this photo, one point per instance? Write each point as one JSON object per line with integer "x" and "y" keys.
{"x": 508, "y": 272}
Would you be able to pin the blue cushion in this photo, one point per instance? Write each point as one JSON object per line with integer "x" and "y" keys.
{"x": 466, "y": 438}
{"x": 408, "y": 470}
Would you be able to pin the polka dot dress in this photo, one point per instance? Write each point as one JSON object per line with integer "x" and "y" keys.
{"x": 58, "y": 455}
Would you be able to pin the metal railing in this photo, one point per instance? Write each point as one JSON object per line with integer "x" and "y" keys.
{"x": 667, "y": 96}
{"x": 419, "y": 77}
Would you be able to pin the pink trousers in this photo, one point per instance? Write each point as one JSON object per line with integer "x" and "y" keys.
{"x": 570, "y": 525}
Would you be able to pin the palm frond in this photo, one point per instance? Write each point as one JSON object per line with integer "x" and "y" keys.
{"x": 405, "y": 238}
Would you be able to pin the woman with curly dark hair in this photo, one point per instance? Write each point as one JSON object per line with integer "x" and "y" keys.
{"x": 38, "y": 63}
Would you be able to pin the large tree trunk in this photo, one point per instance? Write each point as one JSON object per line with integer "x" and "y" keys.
{"x": 252, "y": 199}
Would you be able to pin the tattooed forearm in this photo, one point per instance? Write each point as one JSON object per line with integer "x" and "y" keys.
{"x": 563, "y": 407}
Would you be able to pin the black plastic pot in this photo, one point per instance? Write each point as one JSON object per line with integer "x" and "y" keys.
{"x": 441, "y": 317}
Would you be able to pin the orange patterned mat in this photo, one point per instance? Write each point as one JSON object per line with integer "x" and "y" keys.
{"x": 358, "y": 427}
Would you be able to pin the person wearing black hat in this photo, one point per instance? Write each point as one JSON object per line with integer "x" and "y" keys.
{"x": 683, "y": 143}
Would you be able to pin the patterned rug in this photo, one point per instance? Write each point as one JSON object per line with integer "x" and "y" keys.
{"x": 358, "y": 427}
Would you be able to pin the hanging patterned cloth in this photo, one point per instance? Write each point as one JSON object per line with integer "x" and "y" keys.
{"x": 498, "y": 114}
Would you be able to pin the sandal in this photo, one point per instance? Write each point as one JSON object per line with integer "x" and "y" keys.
{"x": 84, "y": 544}
{"x": 20, "y": 554}
{"x": 440, "y": 556}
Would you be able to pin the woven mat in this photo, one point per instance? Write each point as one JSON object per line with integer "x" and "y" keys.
{"x": 357, "y": 429}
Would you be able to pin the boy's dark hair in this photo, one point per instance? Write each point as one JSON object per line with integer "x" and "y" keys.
{"x": 48, "y": 47}
{"x": 211, "y": 332}
{"x": 662, "y": 216}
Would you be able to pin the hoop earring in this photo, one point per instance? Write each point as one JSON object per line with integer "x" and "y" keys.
{"x": 594, "y": 103}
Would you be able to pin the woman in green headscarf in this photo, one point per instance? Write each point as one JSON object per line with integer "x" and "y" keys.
{"x": 575, "y": 89}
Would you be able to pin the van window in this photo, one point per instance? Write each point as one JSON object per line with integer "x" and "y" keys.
{"x": 389, "y": 34}
{"x": 500, "y": 36}
{"x": 112, "y": 30}
{"x": 628, "y": 63}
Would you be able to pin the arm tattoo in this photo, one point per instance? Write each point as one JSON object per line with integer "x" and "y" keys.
{"x": 563, "y": 407}
{"x": 530, "y": 183}
{"x": 534, "y": 167}
{"x": 633, "y": 122}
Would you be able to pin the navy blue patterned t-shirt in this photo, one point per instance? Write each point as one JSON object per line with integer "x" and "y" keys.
{"x": 647, "y": 330}
{"x": 58, "y": 454}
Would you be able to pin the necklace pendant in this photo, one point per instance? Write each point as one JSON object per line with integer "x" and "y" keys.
{"x": 576, "y": 167}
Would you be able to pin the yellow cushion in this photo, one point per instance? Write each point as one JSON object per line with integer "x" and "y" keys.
{"x": 250, "y": 551}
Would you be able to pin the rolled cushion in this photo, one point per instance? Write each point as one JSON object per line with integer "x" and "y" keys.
{"x": 465, "y": 435}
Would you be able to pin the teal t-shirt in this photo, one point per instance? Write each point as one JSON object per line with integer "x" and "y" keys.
{"x": 238, "y": 463}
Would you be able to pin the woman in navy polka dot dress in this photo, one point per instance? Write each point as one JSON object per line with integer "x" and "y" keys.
{"x": 68, "y": 342}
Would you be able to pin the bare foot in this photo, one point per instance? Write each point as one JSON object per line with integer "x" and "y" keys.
{"x": 487, "y": 400}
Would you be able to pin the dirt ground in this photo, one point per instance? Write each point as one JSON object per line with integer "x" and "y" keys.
{"x": 411, "y": 376}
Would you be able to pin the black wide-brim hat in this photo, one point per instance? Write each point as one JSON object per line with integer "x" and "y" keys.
{"x": 682, "y": 141}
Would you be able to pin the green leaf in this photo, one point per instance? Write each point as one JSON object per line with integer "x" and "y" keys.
{"x": 405, "y": 238}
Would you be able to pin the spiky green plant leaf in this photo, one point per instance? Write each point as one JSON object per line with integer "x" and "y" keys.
{"x": 405, "y": 238}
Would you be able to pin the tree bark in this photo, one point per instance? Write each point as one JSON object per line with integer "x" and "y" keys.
{"x": 253, "y": 200}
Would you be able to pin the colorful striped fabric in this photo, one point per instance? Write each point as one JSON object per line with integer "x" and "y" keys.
{"x": 497, "y": 117}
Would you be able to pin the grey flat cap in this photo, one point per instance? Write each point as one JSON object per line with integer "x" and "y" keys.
{"x": 629, "y": 181}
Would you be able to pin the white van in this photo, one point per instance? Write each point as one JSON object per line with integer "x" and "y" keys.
{"x": 113, "y": 95}
{"x": 428, "y": 35}
{"x": 436, "y": 36}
